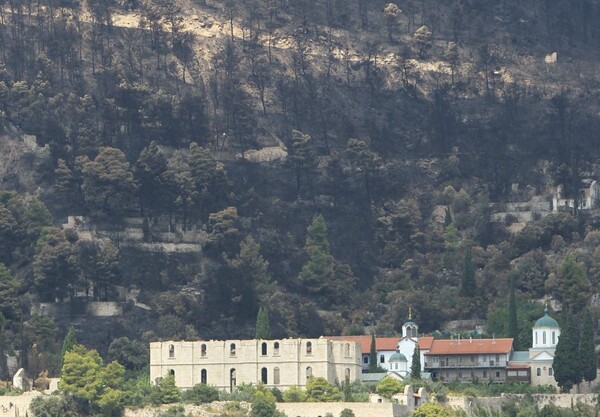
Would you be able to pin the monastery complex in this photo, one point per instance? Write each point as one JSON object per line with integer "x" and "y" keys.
{"x": 291, "y": 362}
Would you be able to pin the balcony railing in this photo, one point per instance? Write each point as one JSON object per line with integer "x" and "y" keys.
{"x": 456, "y": 364}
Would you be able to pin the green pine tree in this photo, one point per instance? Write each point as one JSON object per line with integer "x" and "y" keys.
{"x": 589, "y": 360}
{"x": 513, "y": 323}
{"x": 415, "y": 367}
{"x": 263, "y": 328}
{"x": 320, "y": 265}
{"x": 567, "y": 364}
{"x": 468, "y": 286}
{"x": 373, "y": 355}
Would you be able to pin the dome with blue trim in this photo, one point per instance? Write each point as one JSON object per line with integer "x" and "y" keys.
{"x": 546, "y": 321}
{"x": 397, "y": 357}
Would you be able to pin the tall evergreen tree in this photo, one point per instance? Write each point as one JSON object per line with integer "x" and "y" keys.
{"x": 320, "y": 265}
{"x": 68, "y": 343}
{"x": 468, "y": 286}
{"x": 373, "y": 355}
{"x": 567, "y": 364}
{"x": 589, "y": 360}
{"x": 513, "y": 326}
{"x": 415, "y": 366}
{"x": 263, "y": 328}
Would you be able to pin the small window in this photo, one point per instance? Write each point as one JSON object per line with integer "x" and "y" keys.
{"x": 382, "y": 359}
{"x": 347, "y": 349}
{"x": 308, "y": 372}
{"x": 396, "y": 366}
{"x": 485, "y": 374}
{"x": 347, "y": 374}
{"x": 232, "y": 349}
{"x": 202, "y": 350}
{"x": 536, "y": 338}
{"x": 497, "y": 374}
{"x": 263, "y": 375}
{"x": 308, "y": 348}
{"x": 365, "y": 360}
{"x": 276, "y": 348}
{"x": 263, "y": 349}
{"x": 553, "y": 337}
{"x": 172, "y": 372}
{"x": 276, "y": 376}
{"x": 203, "y": 377}
{"x": 544, "y": 338}
{"x": 550, "y": 371}
{"x": 538, "y": 372}
{"x": 472, "y": 359}
{"x": 498, "y": 359}
{"x": 171, "y": 351}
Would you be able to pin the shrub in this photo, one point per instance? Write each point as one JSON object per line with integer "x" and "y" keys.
{"x": 201, "y": 394}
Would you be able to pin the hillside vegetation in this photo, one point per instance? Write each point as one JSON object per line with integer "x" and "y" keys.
{"x": 335, "y": 161}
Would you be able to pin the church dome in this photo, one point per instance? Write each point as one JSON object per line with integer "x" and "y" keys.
{"x": 410, "y": 323}
{"x": 397, "y": 357}
{"x": 546, "y": 321}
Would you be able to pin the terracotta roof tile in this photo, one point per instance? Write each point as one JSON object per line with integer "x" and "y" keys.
{"x": 470, "y": 347}
{"x": 425, "y": 342}
{"x": 381, "y": 343}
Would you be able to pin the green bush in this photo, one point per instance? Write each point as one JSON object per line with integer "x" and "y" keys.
{"x": 201, "y": 394}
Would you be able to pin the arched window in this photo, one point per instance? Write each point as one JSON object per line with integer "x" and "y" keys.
{"x": 550, "y": 371}
{"x": 172, "y": 372}
{"x": 232, "y": 379}
{"x": 276, "y": 376}
{"x": 276, "y": 348}
{"x": 396, "y": 366}
{"x": 308, "y": 372}
{"x": 544, "y": 338}
{"x": 232, "y": 349}
{"x": 347, "y": 349}
{"x": 263, "y": 349}
{"x": 203, "y": 377}
{"x": 202, "y": 350}
{"x": 171, "y": 351}
{"x": 263, "y": 375}
{"x": 539, "y": 372}
{"x": 308, "y": 348}
{"x": 536, "y": 338}
{"x": 553, "y": 337}
{"x": 382, "y": 359}
{"x": 347, "y": 374}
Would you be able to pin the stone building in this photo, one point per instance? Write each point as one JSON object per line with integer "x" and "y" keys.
{"x": 469, "y": 359}
{"x": 275, "y": 363}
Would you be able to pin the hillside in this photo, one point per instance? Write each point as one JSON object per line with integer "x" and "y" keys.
{"x": 334, "y": 161}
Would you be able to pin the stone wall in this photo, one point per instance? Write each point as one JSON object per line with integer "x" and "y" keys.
{"x": 359, "y": 409}
{"x": 496, "y": 403}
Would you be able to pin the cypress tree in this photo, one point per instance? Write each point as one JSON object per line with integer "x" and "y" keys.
{"x": 263, "y": 328}
{"x": 513, "y": 327}
{"x": 467, "y": 284}
{"x": 588, "y": 356}
{"x": 415, "y": 367}
{"x": 68, "y": 343}
{"x": 567, "y": 369}
{"x": 373, "y": 355}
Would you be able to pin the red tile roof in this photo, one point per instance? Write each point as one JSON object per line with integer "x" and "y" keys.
{"x": 425, "y": 342}
{"x": 470, "y": 347}
{"x": 381, "y": 343}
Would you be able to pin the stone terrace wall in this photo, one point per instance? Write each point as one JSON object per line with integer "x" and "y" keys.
{"x": 496, "y": 403}
{"x": 359, "y": 409}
